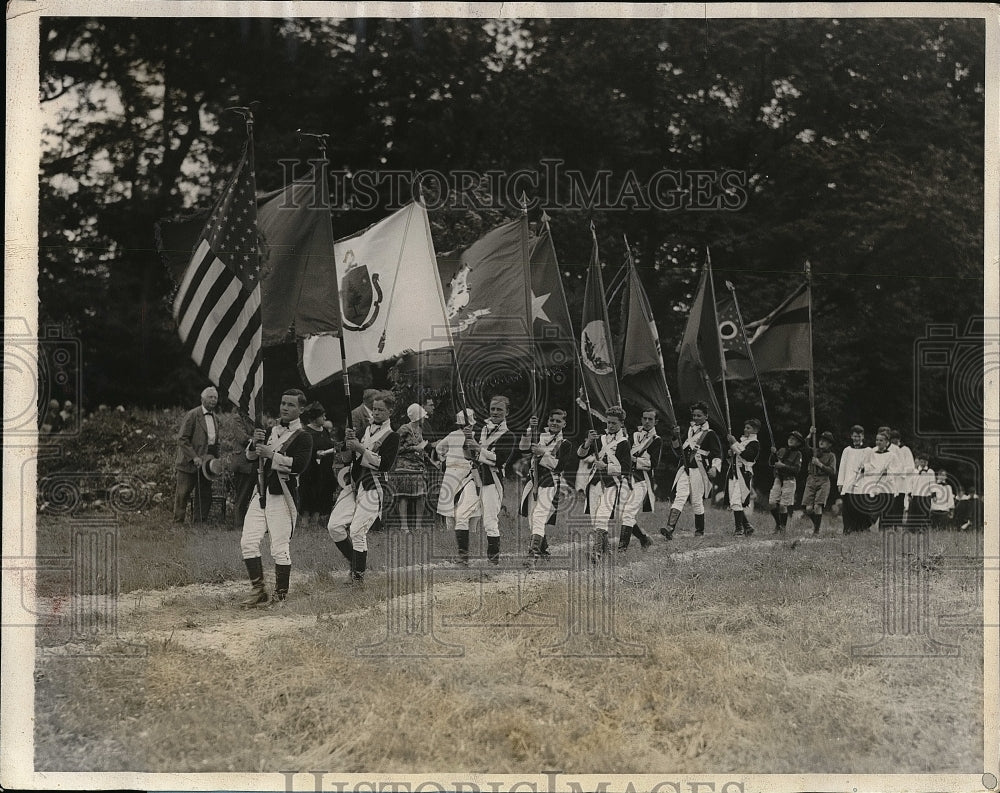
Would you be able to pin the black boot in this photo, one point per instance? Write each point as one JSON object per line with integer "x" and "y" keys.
{"x": 668, "y": 530}
{"x": 643, "y": 538}
{"x": 358, "y": 566}
{"x": 258, "y": 595}
{"x": 817, "y": 518}
{"x": 493, "y": 550}
{"x": 282, "y": 572}
{"x": 624, "y": 535}
{"x": 783, "y": 521}
{"x": 778, "y": 528}
{"x": 462, "y": 541}
{"x": 738, "y": 521}
{"x": 747, "y": 525}
{"x": 345, "y": 547}
{"x": 543, "y": 551}
{"x": 699, "y": 525}
{"x": 534, "y": 549}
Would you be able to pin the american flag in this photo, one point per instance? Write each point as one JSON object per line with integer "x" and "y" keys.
{"x": 217, "y": 307}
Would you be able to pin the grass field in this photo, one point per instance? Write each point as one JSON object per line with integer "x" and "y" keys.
{"x": 728, "y": 655}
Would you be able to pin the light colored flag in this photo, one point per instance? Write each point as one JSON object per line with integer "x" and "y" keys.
{"x": 390, "y": 296}
{"x": 217, "y": 307}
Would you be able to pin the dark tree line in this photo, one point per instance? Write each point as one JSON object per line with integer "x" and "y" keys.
{"x": 860, "y": 143}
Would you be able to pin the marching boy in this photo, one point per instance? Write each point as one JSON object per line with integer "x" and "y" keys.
{"x": 786, "y": 464}
{"x": 550, "y": 453}
{"x": 285, "y": 450}
{"x": 609, "y": 455}
{"x": 821, "y": 467}
{"x": 922, "y": 492}
{"x": 744, "y": 451}
{"x": 360, "y": 502}
{"x": 646, "y": 448}
{"x": 700, "y": 458}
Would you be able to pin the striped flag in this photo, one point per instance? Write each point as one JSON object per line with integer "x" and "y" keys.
{"x": 780, "y": 342}
{"x": 217, "y": 307}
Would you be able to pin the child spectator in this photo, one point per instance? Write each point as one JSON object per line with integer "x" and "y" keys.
{"x": 851, "y": 461}
{"x": 821, "y": 467}
{"x": 942, "y": 502}
{"x": 786, "y": 463}
{"x": 921, "y": 492}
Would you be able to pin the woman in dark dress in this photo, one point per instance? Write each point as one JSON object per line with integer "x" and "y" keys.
{"x": 317, "y": 482}
{"x": 408, "y": 480}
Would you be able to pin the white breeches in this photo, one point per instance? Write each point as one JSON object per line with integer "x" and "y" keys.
{"x": 353, "y": 515}
{"x": 690, "y": 485}
{"x": 276, "y": 518}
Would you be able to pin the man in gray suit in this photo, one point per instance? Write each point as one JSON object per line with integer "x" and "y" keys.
{"x": 197, "y": 441}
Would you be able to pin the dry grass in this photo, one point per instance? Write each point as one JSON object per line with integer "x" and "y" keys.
{"x": 747, "y": 667}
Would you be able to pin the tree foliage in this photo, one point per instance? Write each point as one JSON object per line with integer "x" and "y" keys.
{"x": 860, "y": 142}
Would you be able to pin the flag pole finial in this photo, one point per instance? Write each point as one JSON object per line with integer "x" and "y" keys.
{"x": 246, "y": 112}
{"x": 319, "y": 137}
{"x": 524, "y": 203}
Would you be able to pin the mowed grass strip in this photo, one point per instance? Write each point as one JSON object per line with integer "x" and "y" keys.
{"x": 746, "y": 667}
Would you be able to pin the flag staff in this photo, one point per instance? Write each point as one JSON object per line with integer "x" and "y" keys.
{"x": 753, "y": 361}
{"x": 258, "y": 419}
{"x": 718, "y": 341}
{"x": 812, "y": 384}
{"x": 529, "y": 313}
{"x": 663, "y": 371}
{"x": 451, "y": 343}
{"x": 576, "y": 342}
{"x": 321, "y": 139}
{"x": 604, "y": 298}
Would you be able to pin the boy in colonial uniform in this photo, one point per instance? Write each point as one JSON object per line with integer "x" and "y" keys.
{"x": 744, "y": 451}
{"x": 612, "y": 463}
{"x": 551, "y": 453}
{"x": 700, "y": 458}
{"x": 490, "y": 453}
{"x": 286, "y": 450}
{"x": 360, "y": 501}
{"x": 646, "y": 449}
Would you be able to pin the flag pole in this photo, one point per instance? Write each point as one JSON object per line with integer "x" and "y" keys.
{"x": 529, "y": 313}
{"x": 635, "y": 274}
{"x": 607, "y": 323}
{"x": 718, "y": 341}
{"x": 812, "y": 384}
{"x": 576, "y": 342}
{"x": 258, "y": 419}
{"x": 753, "y": 361}
{"x": 321, "y": 139}
{"x": 451, "y": 340}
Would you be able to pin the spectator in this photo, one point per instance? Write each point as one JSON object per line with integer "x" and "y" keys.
{"x": 197, "y": 441}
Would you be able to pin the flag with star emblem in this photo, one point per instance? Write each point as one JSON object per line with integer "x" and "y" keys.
{"x": 217, "y": 307}
{"x": 552, "y": 327}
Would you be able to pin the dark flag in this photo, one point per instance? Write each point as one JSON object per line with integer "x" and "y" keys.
{"x": 643, "y": 381}
{"x": 701, "y": 361}
{"x": 299, "y": 282}
{"x": 780, "y": 342}
{"x": 596, "y": 348}
{"x": 551, "y": 324}
{"x": 738, "y": 363}
{"x": 217, "y": 307}
{"x": 486, "y": 307}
